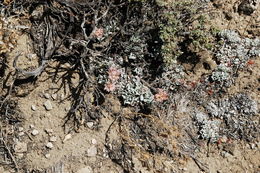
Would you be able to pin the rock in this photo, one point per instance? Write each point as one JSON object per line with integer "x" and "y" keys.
{"x": 21, "y": 134}
{"x": 54, "y": 96}
{"x": 48, "y": 105}
{"x": 33, "y": 107}
{"x": 252, "y": 146}
{"x": 92, "y": 151}
{"x": 49, "y": 131}
{"x": 35, "y": 132}
{"x": 20, "y": 129}
{"x": 94, "y": 141}
{"x": 47, "y": 156}
{"x": 230, "y": 148}
{"x": 20, "y": 147}
{"x": 47, "y": 95}
{"x": 90, "y": 124}
{"x": 31, "y": 126}
{"x": 248, "y": 7}
{"x": 87, "y": 169}
{"x": 67, "y": 137}
{"x": 49, "y": 145}
{"x": 53, "y": 139}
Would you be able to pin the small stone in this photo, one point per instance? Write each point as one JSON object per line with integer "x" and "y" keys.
{"x": 94, "y": 141}
{"x": 90, "y": 124}
{"x": 20, "y": 147}
{"x": 35, "y": 132}
{"x": 62, "y": 96}
{"x": 32, "y": 56}
{"x": 53, "y": 139}
{"x": 92, "y": 151}
{"x": 21, "y": 134}
{"x": 47, "y": 95}
{"x": 54, "y": 96}
{"x": 20, "y": 129}
{"x": 33, "y": 107}
{"x": 49, "y": 131}
{"x": 87, "y": 169}
{"x": 230, "y": 148}
{"x": 47, "y": 156}
{"x": 48, "y": 105}
{"x": 49, "y": 145}
{"x": 31, "y": 126}
{"x": 252, "y": 146}
{"x": 67, "y": 137}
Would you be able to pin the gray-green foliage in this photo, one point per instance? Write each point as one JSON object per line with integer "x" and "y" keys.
{"x": 135, "y": 92}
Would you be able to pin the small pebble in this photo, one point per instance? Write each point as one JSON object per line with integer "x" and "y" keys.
{"x": 47, "y": 95}
{"x": 90, "y": 124}
{"x": 49, "y": 131}
{"x": 252, "y": 146}
{"x": 20, "y": 129}
{"x": 33, "y": 107}
{"x": 67, "y": 137}
{"x": 87, "y": 169}
{"x": 31, "y": 126}
{"x": 48, "y": 105}
{"x": 49, "y": 145}
{"x": 21, "y": 134}
{"x": 54, "y": 96}
{"x": 47, "y": 156}
{"x": 94, "y": 141}
{"x": 35, "y": 132}
{"x": 20, "y": 147}
{"x": 53, "y": 139}
{"x": 92, "y": 151}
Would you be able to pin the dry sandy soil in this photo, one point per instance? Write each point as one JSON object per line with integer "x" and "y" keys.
{"x": 45, "y": 144}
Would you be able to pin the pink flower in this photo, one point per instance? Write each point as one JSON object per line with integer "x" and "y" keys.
{"x": 99, "y": 32}
{"x": 161, "y": 95}
{"x": 114, "y": 74}
{"x": 110, "y": 87}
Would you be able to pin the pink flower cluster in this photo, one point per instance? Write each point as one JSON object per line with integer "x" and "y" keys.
{"x": 113, "y": 76}
{"x": 161, "y": 95}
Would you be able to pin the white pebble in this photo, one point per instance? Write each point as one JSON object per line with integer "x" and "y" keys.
{"x": 49, "y": 131}
{"x": 90, "y": 124}
{"x": 54, "y": 96}
{"x": 94, "y": 141}
{"x": 53, "y": 139}
{"x": 35, "y": 132}
{"x": 20, "y": 129}
{"x": 92, "y": 151}
{"x": 47, "y": 156}
{"x": 67, "y": 137}
{"x": 48, "y": 105}
{"x": 49, "y": 145}
{"x": 47, "y": 95}
{"x": 33, "y": 107}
